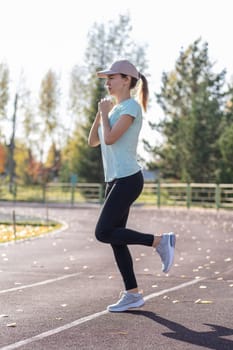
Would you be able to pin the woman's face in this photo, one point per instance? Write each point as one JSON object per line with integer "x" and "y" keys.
{"x": 115, "y": 84}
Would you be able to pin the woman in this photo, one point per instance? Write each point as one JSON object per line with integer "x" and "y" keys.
{"x": 116, "y": 129}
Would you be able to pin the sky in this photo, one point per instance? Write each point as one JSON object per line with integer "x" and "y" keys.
{"x": 36, "y": 35}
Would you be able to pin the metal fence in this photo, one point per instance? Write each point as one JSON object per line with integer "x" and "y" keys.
{"x": 159, "y": 194}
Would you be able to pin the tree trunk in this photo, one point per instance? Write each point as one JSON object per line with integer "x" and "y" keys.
{"x": 12, "y": 149}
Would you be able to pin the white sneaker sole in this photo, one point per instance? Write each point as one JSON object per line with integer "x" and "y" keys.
{"x": 138, "y": 303}
{"x": 171, "y": 248}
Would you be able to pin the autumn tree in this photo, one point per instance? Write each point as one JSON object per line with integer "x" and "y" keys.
{"x": 4, "y": 99}
{"x": 4, "y": 96}
{"x": 48, "y": 111}
{"x": 3, "y": 156}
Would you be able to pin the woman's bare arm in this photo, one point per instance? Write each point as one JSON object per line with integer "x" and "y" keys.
{"x": 111, "y": 135}
{"x": 93, "y": 138}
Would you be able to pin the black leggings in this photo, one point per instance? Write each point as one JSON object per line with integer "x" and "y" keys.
{"x": 111, "y": 226}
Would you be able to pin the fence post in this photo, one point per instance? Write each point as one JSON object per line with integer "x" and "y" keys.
{"x": 188, "y": 195}
{"x": 14, "y": 225}
{"x": 73, "y": 180}
{"x": 73, "y": 186}
{"x": 44, "y": 192}
{"x": 217, "y": 196}
{"x": 101, "y": 193}
{"x": 15, "y": 191}
{"x": 158, "y": 194}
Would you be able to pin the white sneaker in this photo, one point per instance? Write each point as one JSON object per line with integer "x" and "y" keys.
{"x": 127, "y": 301}
{"x": 166, "y": 250}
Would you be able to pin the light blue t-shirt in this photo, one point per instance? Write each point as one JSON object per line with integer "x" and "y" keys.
{"x": 120, "y": 158}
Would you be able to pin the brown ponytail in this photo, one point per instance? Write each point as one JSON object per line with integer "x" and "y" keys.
{"x": 142, "y": 89}
{"x": 143, "y": 92}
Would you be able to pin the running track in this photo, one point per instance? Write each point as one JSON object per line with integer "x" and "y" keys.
{"x": 54, "y": 289}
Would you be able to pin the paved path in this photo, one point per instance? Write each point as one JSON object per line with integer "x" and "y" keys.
{"x": 54, "y": 290}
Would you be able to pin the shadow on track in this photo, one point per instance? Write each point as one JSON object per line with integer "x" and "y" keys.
{"x": 210, "y": 339}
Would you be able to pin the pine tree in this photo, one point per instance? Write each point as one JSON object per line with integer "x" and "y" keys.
{"x": 191, "y": 97}
{"x": 225, "y": 141}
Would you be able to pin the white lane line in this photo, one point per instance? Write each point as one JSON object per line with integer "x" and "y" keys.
{"x": 164, "y": 291}
{"x": 52, "y": 280}
{"x": 89, "y": 318}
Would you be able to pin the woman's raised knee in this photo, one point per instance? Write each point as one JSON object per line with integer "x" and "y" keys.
{"x": 102, "y": 234}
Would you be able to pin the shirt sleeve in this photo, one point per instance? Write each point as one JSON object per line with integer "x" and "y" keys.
{"x": 131, "y": 108}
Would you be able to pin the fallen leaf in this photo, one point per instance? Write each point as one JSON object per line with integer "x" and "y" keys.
{"x": 199, "y": 301}
{"x": 11, "y": 324}
{"x": 227, "y": 259}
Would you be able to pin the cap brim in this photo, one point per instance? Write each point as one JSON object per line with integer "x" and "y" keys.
{"x": 105, "y": 73}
